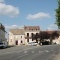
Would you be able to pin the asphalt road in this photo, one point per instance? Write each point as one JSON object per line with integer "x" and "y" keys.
{"x": 47, "y": 52}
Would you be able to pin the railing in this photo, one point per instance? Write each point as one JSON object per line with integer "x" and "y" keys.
{"x": 28, "y": 37}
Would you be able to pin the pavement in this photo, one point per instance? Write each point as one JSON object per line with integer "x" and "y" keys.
{"x": 57, "y": 56}
{"x": 46, "y": 52}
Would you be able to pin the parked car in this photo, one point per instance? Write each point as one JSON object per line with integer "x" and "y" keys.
{"x": 3, "y": 45}
{"x": 32, "y": 43}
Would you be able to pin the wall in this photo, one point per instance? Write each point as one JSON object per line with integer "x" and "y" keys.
{"x": 14, "y": 38}
{"x": 11, "y": 39}
{"x": 30, "y": 32}
{"x": 57, "y": 40}
{"x": 2, "y": 35}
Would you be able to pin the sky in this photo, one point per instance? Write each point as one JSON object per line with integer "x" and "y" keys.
{"x": 17, "y": 13}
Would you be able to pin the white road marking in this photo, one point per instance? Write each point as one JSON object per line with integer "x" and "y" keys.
{"x": 32, "y": 52}
{"x": 9, "y": 52}
{"x": 25, "y": 51}
{"x": 46, "y": 51}
{"x": 52, "y": 50}
{"x": 20, "y": 57}
{"x": 40, "y": 51}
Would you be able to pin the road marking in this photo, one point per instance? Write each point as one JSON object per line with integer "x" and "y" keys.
{"x": 25, "y": 51}
{"x": 6, "y": 53}
{"x": 40, "y": 51}
{"x": 52, "y": 50}
{"x": 32, "y": 52}
{"x": 46, "y": 51}
{"x": 9, "y": 52}
{"x": 19, "y": 57}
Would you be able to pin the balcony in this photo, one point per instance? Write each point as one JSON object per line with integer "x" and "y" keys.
{"x": 28, "y": 37}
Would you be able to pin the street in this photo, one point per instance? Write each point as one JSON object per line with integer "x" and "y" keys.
{"x": 46, "y": 52}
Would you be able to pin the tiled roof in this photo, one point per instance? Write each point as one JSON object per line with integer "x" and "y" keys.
{"x": 51, "y": 31}
{"x": 17, "y": 31}
{"x": 32, "y": 28}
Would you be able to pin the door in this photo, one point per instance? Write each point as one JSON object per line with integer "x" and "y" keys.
{"x": 16, "y": 42}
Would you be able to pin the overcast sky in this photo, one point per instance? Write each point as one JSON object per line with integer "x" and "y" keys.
{"x": 17, "y": 13}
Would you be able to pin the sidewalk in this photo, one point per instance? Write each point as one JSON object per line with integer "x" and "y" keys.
{"x": 57, "y": 57}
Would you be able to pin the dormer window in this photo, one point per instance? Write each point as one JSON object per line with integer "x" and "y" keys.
{"x": 32, "y": 29}
{"x": 36, "y": 29}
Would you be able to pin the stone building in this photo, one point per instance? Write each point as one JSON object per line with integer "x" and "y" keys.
{"x": 22, "y": 36}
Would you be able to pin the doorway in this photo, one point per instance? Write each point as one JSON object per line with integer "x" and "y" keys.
{"x": 21, "y": 41}
{"x": 16, "y": 42}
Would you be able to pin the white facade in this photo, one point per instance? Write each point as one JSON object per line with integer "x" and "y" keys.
{"x": 11, "y": 39}
{"x": 57, "y": 40}
{"x": 30, "y": 34}
{"x": 19, "y": 36}
{"x": 16, "y": 39}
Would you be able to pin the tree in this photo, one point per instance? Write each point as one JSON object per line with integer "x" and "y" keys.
{"x": 41, "y": 36}
{"x": 53, "y": 35}
{"x": 58, "y": 15}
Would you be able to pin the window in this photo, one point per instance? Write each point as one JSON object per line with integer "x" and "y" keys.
{"x": 36, "y": 33}
{"x": 32, "y": 36}
{"x": 36, "y": 29}
{"x": 27, "y": 40}
{"x": 11, "y": 40}
{"x": 32, "y": 29}
{"x": 28, "y": 34}
{"x": 21, "y": 36}
{"x": 21, "y": 41}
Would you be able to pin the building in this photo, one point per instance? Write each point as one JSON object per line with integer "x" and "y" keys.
{"x": 16, "y": 37}
{"x": 57, "y": 40}
{"x": 22, "y": 36}
{"x": 2, "y": 33}
{"x": 29, "y": 32}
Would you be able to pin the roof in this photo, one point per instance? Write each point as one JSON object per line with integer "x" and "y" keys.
{"x": 17, "y": 31}
{"x": 2, "y": 27}
{"x": 50, "y": 31}
{"x": 31, "y": 28}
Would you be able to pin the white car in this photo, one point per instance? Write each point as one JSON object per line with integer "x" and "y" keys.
{"x": 3, "y": 45}
{"x": 32, "y": 43}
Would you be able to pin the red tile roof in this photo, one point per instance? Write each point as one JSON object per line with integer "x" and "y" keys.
{"x": 32, "y": 28}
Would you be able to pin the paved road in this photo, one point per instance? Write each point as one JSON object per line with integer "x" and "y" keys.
{"x": 30, "y": 52}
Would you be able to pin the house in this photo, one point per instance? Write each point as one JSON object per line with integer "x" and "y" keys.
{"x": 57, "y": 40}
{"x": 2, "y": 34}
{"x": 22, "y": 36}
{"x": 50, "y": 36}
{"x": 29, "y": 32}
{"x": 16, "y": 37}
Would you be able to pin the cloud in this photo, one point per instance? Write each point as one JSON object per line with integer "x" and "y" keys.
{"x": 52, "y": 27}
{"x": 1, "y": 1}
{"x": 38, "y": 15}
{"x": 14, "y": 27}
{"x": 11, "y": 27}
{"x": 8, "y": 10}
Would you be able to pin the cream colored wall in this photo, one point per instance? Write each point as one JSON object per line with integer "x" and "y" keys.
{"x": 57, "y": 40}
{"x": 18, "y": 37}
{"x": 30, "y": 40}
{"x": 30, "y": 33}
{"x": 11, "y": 39}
